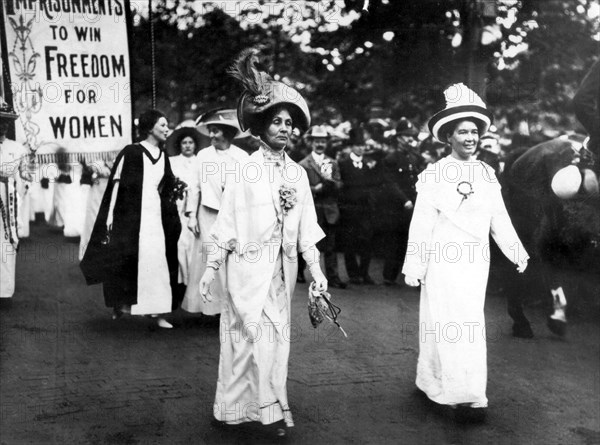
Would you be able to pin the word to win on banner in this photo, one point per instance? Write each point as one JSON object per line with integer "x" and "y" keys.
{"x": 69, "y": 73}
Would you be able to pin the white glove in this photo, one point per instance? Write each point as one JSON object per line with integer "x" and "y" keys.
{"x": 412, "y": 281}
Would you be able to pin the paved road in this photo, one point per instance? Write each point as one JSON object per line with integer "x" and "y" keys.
{"x": 69, "y": 374}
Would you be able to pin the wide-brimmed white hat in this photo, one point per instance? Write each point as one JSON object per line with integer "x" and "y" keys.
{"x": 218, "y": 116}
{"x": 461, "y": 103}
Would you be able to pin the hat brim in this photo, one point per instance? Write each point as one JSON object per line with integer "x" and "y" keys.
{"x": 8, "y": 115}
{"x": 461, "y": 112}
{"x": 180, "y": 133}
{"x": 251, "y": 115}
{"x": 203, "y": 126}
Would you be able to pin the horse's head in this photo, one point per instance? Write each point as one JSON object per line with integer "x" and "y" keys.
{"x": 576, "y": 174}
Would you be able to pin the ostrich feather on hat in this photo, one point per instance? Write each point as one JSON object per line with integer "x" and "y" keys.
{"x": 461, "y": 103}
{"x": 262, "y": 92}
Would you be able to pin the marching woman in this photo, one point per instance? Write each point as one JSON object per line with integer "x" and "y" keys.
{"x": 458, "y": 205}
{"x": 187, "y": 144}
{"x": 13, "y": 165}
{"x": 133, "y": 247}
{"x": 266, "y": 219}
{"x": 204, "y": 201}
{"x": 96, "y": 174}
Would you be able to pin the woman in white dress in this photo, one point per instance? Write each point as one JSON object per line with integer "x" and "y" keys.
{"x": 13, "y": 165}
{"x": 95, "y": 176}
{"x": 266, "y": 219}
{"x": 459, "y": 205}
{"x": 187, "y": 144}
{"x": 204, "y": 200}
{"x": 133, "y": 247}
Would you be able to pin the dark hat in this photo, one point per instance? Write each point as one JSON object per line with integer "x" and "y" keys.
{"x": 406, "y": 128}
{"x": 218, "y": 116}
{"x": 7, "y": 111}
{"x": 461, "y": 103}
{"x": 172, "y": 144}
{"x": 262, "y": 92}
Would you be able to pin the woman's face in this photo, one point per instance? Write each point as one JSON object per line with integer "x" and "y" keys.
{"x": 217, "y": 138}
{"x": 160, "y": 131}
{"x": 279, "y": 129}
{"x": 464, "y": 140}
{"x": 188, "y": 146}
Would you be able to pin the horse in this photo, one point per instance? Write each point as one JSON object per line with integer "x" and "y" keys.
{"x": 552, "y": 196}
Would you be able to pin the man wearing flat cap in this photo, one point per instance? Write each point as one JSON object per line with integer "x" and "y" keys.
{"x": 325, "y": 183}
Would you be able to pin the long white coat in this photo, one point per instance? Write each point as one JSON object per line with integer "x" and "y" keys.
{"x": 256, "y": 314}
{"x": 449, "y": 249}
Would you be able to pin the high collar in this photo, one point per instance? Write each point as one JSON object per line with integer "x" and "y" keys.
{"x": 271, "y": 155}
{"x": 355, "y": 158}
{"x": 318, "y": 157}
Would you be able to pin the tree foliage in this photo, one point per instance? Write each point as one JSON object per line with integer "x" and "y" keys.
{"x": 397, "y": 57}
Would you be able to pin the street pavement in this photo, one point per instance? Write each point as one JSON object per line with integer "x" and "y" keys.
{"x": 71, "y": 375}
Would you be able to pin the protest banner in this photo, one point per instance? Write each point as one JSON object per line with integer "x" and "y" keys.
{"x": 65, "y": 65}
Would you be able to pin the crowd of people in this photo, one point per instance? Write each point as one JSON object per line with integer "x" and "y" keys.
{"x": 223, "y": 232}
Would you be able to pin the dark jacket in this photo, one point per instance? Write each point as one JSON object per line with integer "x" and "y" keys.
{"x": 326, "y": 200}
{"x": 587, "y": 106}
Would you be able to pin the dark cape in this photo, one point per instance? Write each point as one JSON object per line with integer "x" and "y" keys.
{"x": 116, "y": 264}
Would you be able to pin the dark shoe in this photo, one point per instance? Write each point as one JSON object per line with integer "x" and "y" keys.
{"x": 356, "y": 280}
{"x": 557, "y": 327}
{"x": 279, "y": 430}
{"x": 522, "y": 330}
{"x": 368, "y": 280}
{"x": 117, "y": 313}
{"x": 389, "y": 282}
{"x": 301, "y": 278}
{"x": 337, "y": 283}
{"x": 466, "y": 414}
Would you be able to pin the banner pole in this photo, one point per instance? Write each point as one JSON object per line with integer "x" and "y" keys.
{"x": 153, "y": 55}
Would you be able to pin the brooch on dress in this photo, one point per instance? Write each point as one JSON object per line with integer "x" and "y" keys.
{"x": 465, "y": 189}
{"x": 287, "y": 198}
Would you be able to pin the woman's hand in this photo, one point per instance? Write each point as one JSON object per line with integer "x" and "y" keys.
{"x": 521, "y": 266}
{"x": 412, "y": 281}
{"x": 205, "y": 281}
{"x": 193, "y": 225}
{"x": 320, "y": 281}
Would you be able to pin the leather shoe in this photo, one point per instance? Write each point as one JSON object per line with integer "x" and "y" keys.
{"x": 356, "y": 280}
{"x": 337, "y": 283}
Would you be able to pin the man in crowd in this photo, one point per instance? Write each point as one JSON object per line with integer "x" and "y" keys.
{"x": 402, "y": 165}
{"x": 364, "y": 182}
{"x": 587, "y": 108}
{"x": 489, "y": 151}
{"x": 324, "y": 179}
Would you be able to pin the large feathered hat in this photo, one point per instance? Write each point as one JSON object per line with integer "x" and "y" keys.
{"x": 262, "y": 92}
{"x": 461, "y": 103}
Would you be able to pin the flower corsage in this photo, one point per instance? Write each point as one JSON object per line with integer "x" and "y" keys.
{"x": 177, "y": 190}
{"x": 287, "y": 198}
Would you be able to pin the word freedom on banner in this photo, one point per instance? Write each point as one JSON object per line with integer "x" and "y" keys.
{"x": 69, "y": 75}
